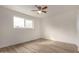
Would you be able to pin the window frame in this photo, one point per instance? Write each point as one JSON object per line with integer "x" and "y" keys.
{"x": 24, "y": 27}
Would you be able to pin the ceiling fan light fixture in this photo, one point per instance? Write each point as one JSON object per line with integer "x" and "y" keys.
{"x": 39, "y": 12}
{"x": 41, "y": 9}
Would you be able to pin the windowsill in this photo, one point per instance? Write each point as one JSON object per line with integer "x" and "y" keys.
{"x": 23, "y": 28}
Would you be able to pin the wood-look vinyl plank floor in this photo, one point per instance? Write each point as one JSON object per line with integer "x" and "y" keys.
{"x": 41, "y": 46}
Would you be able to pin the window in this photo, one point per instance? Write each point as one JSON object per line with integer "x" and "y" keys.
{"x": 18, "y": 22}
{"x": 28, "y": 24}
{"x": 22, "y": 23}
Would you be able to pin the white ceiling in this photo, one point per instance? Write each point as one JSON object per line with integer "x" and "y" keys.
{"x": 52, "y": 9}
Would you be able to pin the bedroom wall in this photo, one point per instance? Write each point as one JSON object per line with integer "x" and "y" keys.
{"x": 61, "y": 27}
{"x": 77, "y": 24}
{"x": 11, "y": 36}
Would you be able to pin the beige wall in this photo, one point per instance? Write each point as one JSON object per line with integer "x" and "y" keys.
{"x": 11, "y": 36}
{"x": 61, "y": 27}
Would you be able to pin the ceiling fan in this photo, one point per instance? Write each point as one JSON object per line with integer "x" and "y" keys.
{"x": 41, "y": 9}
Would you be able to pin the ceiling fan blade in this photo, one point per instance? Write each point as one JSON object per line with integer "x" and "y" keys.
{"x": 44, "y": 11}
{"x": 38, "y": 7}
{"x": 45, "y": 7}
